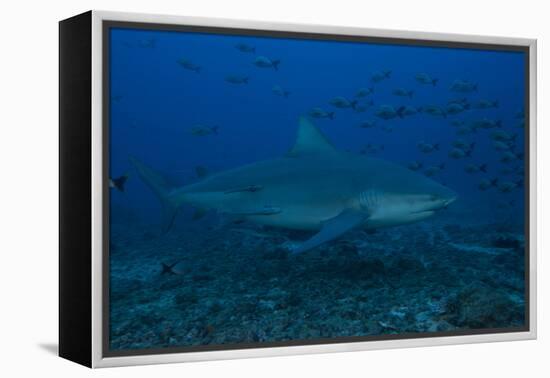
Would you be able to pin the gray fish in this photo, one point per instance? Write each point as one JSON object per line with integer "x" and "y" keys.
{"x": 457, "y": 153}
{"x": 361, "y": 108}
{"x": 511, "y": 170}
{"x": 236, "y": 79}
{"x": 243, "y": 47}
{"x": 456, "y": 108}
{"x": 402, "y": 92}
{"x": 320, "y": 113}
{"x": 175, "y": 268}
{"x": 149, "y": 43}
{"x": 387, "y": 128}
{"x": 371, "y": 149}
{"x": 503, "y": 136}
{"x": 520, "y": 114}
{"x": 343, "y": 103}
{"x": 463, "y": 86}
{"x": 201, "y": 171}
{"x": 118, "y": 183}
{"x": 263, "y": 62}
{"x": 502, "y": 146}
{"x": 378, "y": 76}
{"x": 387, "y": 112}
{"x": 508, "y": 186}
{"x": 364, "y": 92}
{"x": 313, "y": 187}
{"x": 424, "y": 78}
{"x": 506, "y": 204}
{"x": 509, "y": 157}
{"x": 188, "y": 65}
{"x": 367, "y": 124}
{"x": 486, "y": 184}
{"x": 486, "y": 124}
{"x": 462, "y": 144}
{"x": 485, "y": 104}
{"x": 279, "y": 91}
{"x": 427, "y": 147}
{"x": 434, "y": 110}
{"x": 460, "y": 101}
{"x": 434, "y": 169}
{"x": 475, "y": 168}
{"x": 415, "y": 165}
{"x": 407, "y": 110}
{"x": 465, "y": 130}
{"x": 201, "y": 130}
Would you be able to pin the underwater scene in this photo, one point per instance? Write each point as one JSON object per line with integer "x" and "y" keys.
{"x": 273, "y": 191}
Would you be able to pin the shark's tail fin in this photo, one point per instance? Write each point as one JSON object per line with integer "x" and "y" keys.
{"x": 162, "y": 190}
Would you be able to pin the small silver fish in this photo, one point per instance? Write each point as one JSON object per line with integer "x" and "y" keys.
{"x": 364, "y": 92}
{"x": 486, "y": 184}
{"x": 320, "y": 113}
{"x": 235, "y": 79}
{"x": 424, "y": 78}
{"x": 378, "y": 76}
{"x": 263, "y": 62}
{"x": 434, "y": 169}
{"x": 427, "y": 147}
{"x": 367, "y": 124}
{"x": 188, "y": 65}
{"x": 485, "y": 104}
{"x": 243, "y": 47}
{"x": 201, "y": 130}
{"x": 434, "y": 110}
{"x": 463, "y": 86}
{"x": 342, "y": 102}
{"x": 279, "y": 91}
{"x": 387, "y": 112}
{"x": 475, "y": 168}
{"x": 402, "y": 92}
{"x": 414, "y": 165}
{"x": 508, "y": 186}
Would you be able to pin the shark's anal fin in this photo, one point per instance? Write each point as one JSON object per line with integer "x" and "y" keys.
{"x": 333, "y": 228}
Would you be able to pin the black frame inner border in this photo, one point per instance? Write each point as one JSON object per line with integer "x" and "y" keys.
{"x": 107, "y": 25}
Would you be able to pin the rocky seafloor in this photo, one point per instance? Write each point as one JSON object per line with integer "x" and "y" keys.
{"x": 238, "y": 284}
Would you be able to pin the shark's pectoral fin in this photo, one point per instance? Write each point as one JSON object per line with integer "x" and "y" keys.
{"x": 333, "y": 228}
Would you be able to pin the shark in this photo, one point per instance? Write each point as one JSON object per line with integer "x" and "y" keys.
{"x": 314, "y": 186}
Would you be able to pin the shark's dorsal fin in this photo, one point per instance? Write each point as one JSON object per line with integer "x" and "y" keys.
{"x": 310, "y": 141}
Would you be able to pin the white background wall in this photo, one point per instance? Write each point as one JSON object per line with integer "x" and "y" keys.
{"x": 28, "y": 200}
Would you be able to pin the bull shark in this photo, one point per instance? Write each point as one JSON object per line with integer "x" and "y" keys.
{"x": 312, "y": 187}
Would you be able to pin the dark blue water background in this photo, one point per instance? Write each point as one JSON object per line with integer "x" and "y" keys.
{"x": 160, "y": 102}
{"x": 154, "y": 104}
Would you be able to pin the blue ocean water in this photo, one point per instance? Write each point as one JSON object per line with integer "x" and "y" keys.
{"x": 173, "y": 108}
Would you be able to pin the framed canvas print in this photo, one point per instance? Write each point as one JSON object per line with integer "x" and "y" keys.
{"x": 238, "y": 189}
